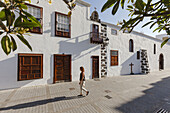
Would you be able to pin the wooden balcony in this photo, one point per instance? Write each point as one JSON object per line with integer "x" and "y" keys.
{"x": 96, "y": 38}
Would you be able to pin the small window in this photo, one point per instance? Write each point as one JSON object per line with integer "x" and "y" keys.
{"x": 114, "y": 57}
{"x": 113, "y": 32}
{"x": 37, "y": 12}
{"x": 138, "y": 55}
{"x": 154, "y": 48}
{"x": 30, "y": 66}
{"x": 130, "y": 45}
{"x": 62, "y": 25}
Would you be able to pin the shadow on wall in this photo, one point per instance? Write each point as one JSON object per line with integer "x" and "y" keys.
{"x": 9, "y": 74}
{"x": 126, "y": 69}
{"x": 153, "y": 99}
{"x": 79, "y": 47}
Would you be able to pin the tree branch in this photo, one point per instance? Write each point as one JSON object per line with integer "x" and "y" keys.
{"x": 159, "y": 14}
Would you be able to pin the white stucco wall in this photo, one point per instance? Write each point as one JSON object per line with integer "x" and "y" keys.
{"x": 78, "y": 46}
{"x": 120, "y": 42}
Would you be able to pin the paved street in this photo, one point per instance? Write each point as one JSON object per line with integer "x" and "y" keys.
{"x": 120, "y": 94}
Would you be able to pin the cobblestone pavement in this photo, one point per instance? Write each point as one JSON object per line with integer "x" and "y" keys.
{"x": 119, "y": 94}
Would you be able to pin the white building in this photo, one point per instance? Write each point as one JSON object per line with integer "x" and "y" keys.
{"x": 64, "y": 44}
{"x": 163, "y": 36}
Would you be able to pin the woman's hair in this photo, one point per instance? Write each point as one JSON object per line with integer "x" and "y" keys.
{"x": 82, "y": 68}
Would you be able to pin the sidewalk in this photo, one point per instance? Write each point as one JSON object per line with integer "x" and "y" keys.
{"x": 119, "y": 94}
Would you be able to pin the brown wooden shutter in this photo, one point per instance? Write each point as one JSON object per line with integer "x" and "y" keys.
{"x": 114, "y": 58}
{"x": 30, "y": 66}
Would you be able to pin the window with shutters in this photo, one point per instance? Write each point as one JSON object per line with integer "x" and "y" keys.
{"x": 138, "y": 55}
{"x": 30, "y": 66}
{"x": 62, "y": 25}
{"x": 37, "y": 12}
{"x": 114, "y": 57}
{"x": 131, "y": 45}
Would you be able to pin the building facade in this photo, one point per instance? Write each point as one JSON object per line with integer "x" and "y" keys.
{"x": 66, "y": 43}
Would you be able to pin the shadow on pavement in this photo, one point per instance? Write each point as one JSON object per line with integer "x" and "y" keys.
{"x": 40, "y": 102}
{"x": 153, "y": 99}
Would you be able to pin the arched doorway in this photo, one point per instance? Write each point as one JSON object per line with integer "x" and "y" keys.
{"x": 161, "y": 62}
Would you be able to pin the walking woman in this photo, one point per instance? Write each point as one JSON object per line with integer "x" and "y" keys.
{"x": 82, "y": 82}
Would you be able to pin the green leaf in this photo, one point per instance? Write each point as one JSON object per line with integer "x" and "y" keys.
{"x": 130, "y": 21}
{"x": 2, "y": 15}
{"x": 3, "y": 26}
{"x": 152, "y": 25}
{"x": 23, "y": 6}
{"x": 22, "y": 1}
{"x": 139, "y": 4}
{"x": 137, "y": 13}
{"x": 156, "y": 29}
{"x": 32, "y": 18}
{"x": 115, "y": 8}
{"x": 130, "y": 7}
{"x": 2, "y": 4}
{"x": 10, "y": 17}
{"x": 122, "y": 3}
{"x": 166, "y": 2}
{"x": 164, "y": 42}
{"x": 21, "y": 37}
{"x": 27, "y": 24}
{"x": 13, "y": 44}
{"x": 147, "y": 23}
{"x": 18, "y": 20}
{"x": 108, "y": 4}
{"x": 5, "y": 44}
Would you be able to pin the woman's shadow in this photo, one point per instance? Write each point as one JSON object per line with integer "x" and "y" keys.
{"x": 40, "y": 102}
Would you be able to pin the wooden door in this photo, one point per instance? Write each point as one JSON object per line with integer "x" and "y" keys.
{"x": 161, "y": 62}
{"x": 95, "y": 66}
{"x": 62, "y": 68}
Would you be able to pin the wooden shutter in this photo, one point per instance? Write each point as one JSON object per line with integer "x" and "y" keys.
{"x": 30, "y": 66}
{"x": 114, "y": 57}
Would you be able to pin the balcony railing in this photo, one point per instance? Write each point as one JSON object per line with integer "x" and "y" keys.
{"x": 96, "y": 38}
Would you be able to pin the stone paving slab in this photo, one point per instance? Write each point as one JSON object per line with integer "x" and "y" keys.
{"x": 119, "y": 94}
{"x": 29, "y": 92}
{"x": 4, "y": 95}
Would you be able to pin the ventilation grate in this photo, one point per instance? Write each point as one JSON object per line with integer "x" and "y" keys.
{"x": 162, "y": 111}
{"x": 71, "y": 88}
{"x": 108, "y": 97}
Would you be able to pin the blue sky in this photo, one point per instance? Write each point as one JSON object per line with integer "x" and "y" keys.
{"x": 120, "y": 15}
